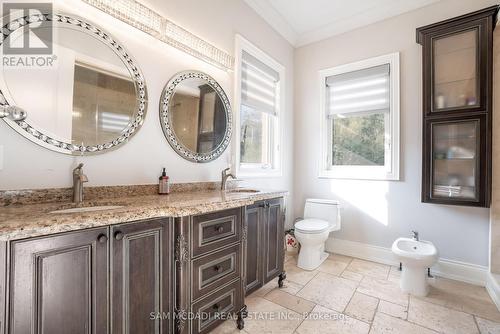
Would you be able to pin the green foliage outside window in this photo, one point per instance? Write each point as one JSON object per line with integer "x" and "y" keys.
{"x": 359, "y": 140}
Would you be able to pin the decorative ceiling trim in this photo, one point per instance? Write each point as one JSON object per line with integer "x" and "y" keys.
{"x": 147, "y": 20}
{"x": 274, "y": 18}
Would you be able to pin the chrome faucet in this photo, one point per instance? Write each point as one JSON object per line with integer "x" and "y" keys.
{"x": 78, "y": 179}
{"x": 415, "y": 235}
{"x": 225, "y": 176}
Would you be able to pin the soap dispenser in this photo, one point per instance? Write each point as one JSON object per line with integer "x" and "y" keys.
{"x": 164, "y": 184}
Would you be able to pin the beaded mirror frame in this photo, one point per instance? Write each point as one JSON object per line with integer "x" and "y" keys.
{"x": 166, "y": 121}
{"x": 37, "y": 135}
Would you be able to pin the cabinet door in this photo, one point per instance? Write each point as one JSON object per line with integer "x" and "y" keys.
{"x": 456, "y": 61}
{"x": 254, "y": 229}
{"x": 456, "y": 161}
{"x": 59, "y": 284}
{"x": 141, "y": 264}
{"x": 3, "y": 286}
{"x": 273, "y": 239}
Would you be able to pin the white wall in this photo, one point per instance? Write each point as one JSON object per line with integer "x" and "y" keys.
{"x": 377, "y": 212}
{"x": 495, "y": 205}
{"x": 27, "y": 166}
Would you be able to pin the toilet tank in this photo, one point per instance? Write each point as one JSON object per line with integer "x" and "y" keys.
{"x": 324, "y": 209}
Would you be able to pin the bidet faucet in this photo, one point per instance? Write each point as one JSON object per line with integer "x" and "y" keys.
{"x": 78, "y": 180}
{"x": 225, "y": 176}
{"x": 415, "y": 235}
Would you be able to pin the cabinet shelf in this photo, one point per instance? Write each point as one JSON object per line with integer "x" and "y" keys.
{"x": 455, "y": 159}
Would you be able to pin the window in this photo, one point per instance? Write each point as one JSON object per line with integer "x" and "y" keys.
{"x": 360, "y": 119}
{"x": 259, "y": 90}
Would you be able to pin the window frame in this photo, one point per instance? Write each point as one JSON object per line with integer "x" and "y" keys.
{"x": 246, "y": 170}
{"x": 390, "y": 170}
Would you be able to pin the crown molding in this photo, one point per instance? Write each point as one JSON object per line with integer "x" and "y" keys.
{"x": 274, "y": 19}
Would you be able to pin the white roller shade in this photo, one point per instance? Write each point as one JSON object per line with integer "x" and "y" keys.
{"x": 359, "y": 92}
{"x": 258, "y": 85}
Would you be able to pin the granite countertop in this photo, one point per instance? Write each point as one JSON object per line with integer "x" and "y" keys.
{"x": 29, "y": 220}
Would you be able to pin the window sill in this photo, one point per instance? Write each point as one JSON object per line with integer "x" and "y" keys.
{"x": 258, "y": 174}
{"x": 329, "y": 174}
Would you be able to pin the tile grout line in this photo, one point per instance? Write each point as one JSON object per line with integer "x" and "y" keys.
{"x": 411, "y": 322}
{"x": 377, "y": 309}
{"x": 477, "y": 325}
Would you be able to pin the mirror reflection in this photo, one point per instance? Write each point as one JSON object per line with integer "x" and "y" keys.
{"x": 198, "y": 116}
{"x": 87, "y": 97}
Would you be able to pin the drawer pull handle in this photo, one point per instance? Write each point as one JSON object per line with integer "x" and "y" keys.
{"x": 102, "y": 238}
{"x": 218, "y": 268}
{"x": 118, "y": 235}
{"x": 219, "y": 229}
{"x": 216, "y": 307}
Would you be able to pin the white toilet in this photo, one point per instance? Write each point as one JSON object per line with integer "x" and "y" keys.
{"x": 321, "y": 217}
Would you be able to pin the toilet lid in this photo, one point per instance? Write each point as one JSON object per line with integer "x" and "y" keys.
{"x": 312, "y": 225}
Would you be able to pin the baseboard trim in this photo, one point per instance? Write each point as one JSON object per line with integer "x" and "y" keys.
{"x": 456, "y": 270}
{"x": 493, "y": 288}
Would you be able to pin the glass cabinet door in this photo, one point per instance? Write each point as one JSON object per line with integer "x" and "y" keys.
{"x": 455, "y": 159}
{"x": 455, "y": 71}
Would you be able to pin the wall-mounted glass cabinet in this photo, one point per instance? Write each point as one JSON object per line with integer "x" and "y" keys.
{"x": 457, "y": 105}
{"x": 455, "y": 71}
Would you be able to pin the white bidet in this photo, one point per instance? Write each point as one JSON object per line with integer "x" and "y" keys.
{"x": 416, "y": 256}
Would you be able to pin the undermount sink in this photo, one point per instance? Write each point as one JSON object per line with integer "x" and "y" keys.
{"x": 242, "y": 191}
{"x": 88, "y": 209}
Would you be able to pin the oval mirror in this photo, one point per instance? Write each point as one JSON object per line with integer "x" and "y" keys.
{"x": 85, "y": 97}
{"x": 196, "y": 116}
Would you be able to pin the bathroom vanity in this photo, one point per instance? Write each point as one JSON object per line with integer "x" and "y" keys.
{"x": 125, "y": 260}
{"x": 155, "y": 264}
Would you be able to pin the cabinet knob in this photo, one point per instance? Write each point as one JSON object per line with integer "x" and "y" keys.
{"x": 219, "y": 229}
{"x": 118, "y": 235}
{"x": 218, "y": 268}
{"x": 102, "y": 238}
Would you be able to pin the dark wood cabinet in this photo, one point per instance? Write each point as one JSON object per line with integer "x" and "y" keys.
{"x": 141, "y": 276}
{"x": 209, "y": 266}
{"x": 264, "y": 245}
{"x": 254, "y": 251}
{"x": 113, "y": 279}
{"x": 59, "y": 284}
{"x": 150, "y": 276}
{"x": 3, "y": 285}
{"x": 457, "y": 109}
{"x": 274, "y": 235}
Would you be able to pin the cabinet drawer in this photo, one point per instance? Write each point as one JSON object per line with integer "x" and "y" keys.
{"x": 214, "y": 309}
{"x": 215, "y": 230}
{"x": 215, "y": 270}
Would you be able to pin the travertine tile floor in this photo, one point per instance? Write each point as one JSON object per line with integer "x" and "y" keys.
{"x": 348, "y": 295}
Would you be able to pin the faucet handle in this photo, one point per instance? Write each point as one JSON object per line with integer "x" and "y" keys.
{"x": 415, "y": 234}
{"x": 78, "y": 168}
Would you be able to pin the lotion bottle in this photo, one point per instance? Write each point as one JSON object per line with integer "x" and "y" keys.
{"x": 164, "y": 185}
